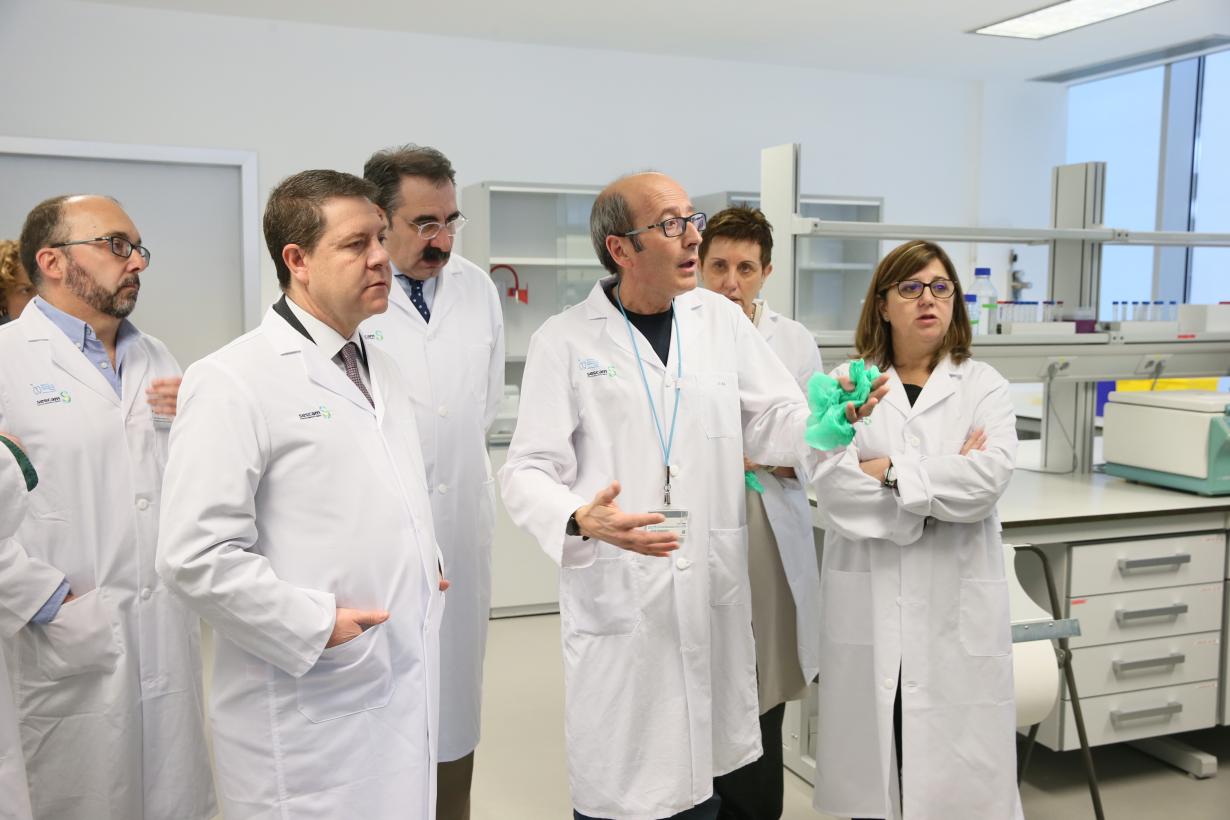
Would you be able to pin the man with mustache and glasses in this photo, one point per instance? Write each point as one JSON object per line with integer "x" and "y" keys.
{"x": 105, "y": 663}
{"x": 445, "y": 328}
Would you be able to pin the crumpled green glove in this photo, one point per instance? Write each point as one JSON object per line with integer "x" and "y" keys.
{"x": 827, "y": 428}
{"x": 753, "y": 483}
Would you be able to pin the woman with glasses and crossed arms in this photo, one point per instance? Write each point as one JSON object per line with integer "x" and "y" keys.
{"x": 916, "y": 701}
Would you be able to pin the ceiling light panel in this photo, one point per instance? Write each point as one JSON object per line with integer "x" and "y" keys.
{"x": 1065, "y": 16}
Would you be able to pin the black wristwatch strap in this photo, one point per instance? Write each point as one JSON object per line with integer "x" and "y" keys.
{"x": 572, "y": 528}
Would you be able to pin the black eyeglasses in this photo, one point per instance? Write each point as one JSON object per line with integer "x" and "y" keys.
{"x": 120, "y": 246}
{"x": 912, "y": 288}
{"x": 675, "y": 225}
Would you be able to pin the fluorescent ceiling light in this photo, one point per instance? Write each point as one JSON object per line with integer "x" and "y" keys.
{"x": 1064, "y": 16}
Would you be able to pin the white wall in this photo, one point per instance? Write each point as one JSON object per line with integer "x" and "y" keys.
{"x": 311, "y": 96}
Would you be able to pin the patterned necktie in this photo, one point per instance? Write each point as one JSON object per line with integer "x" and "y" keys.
{"x": 350, "y": 358}
{"x": 416, "y": 296}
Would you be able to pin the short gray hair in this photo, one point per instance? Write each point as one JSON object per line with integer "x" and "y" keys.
{"x": 610, "y": 216}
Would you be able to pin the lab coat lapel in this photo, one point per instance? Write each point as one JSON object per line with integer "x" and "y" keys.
{"x": 64, "y": 354}
{"x": 598, "y": 306}
{"x": 400, "y": 300}
{"x": 448, "y": 291}
{"x": 691, "y": 327}
{"x": 288, "y": 341}
{"x": 896, "y": 398}
{"x": 136, "y": 366}
{"x": 939, "y": 387}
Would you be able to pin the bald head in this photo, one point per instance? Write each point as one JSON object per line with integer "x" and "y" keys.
{"x": 69, "y": 217}
{"x": 620, "y": 206}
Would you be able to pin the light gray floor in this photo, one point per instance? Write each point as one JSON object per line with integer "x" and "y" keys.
{"x": 520, "y": 774}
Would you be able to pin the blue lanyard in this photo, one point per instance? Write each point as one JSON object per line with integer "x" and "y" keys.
{"x": 665, "y": 443}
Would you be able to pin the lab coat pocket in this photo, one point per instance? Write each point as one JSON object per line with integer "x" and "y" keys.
{"x": 847, "y": 607}
{"x": 80, "y": 639}
{"x": 601, "y": 599}
{"x": 728, "y": 578}
{"x": 717, "y": 403}
{"x": 348, "y": 678}
{"x": 986, "y": 629}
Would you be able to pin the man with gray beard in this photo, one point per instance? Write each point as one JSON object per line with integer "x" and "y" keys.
{"x": 105, "y": 662}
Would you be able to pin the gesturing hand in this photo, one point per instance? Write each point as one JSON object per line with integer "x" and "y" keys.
{"x": 350, "y": 623}
{"x": 879, "y": 389}
{"x": 604, "y": 520}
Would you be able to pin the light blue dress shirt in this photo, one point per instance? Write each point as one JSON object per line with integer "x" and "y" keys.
{"x": 84, "y": 339}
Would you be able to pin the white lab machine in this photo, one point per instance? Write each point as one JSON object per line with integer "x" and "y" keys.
{"x": 1173, "y": 438}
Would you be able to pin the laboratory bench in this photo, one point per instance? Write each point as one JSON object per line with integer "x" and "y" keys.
{"x": 1144, "y": 570}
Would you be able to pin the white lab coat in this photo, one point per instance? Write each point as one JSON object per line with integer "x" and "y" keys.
{"x": 287, "y": 495}
{"x": 659, "y": 666}
{"x": 109, "y": 694}
{"x": 785, "y": 499}
{"x": 914, "y": 581}
{"x": 14, "y": 791}
{"x": 455, "y": 367}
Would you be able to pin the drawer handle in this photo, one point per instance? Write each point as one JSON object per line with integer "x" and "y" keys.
{"x": 1169, "y": 709}
{"x": 1172, "y": 611}
{"x": 1173, "y": 659}
{"x": 1126, "y": 565}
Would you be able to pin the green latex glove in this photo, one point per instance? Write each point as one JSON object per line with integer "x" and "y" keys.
{"x": 753, "y": 483}
{"x": 827, "y": 428}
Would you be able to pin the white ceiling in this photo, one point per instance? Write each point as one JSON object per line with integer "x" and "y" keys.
{"x": 896, "y": 37}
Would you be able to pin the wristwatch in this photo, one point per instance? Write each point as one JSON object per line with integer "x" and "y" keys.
{"x": 572, "y": 527}
{"x": 890, "y": 477}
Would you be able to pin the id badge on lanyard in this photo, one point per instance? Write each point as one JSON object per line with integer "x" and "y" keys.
{"x": 676, "y": 518}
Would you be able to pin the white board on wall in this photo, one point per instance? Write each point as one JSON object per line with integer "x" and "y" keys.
{"x": 195, "y": 293}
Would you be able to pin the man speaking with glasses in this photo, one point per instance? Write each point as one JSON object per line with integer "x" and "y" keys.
{"x": 109, "y": 663}
{"x": 445, "y": 328}
{"x": 627, "y": 467}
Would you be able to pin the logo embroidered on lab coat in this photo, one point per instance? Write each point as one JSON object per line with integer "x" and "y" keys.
{"x": 594, "y": 368}
{"x": 46, "y": 394}
{"x": 321, "y": 412}
{"x": 374, "y": 336}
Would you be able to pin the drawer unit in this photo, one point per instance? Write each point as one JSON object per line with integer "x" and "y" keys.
{"x": 1133, "y": 715}
{"x": 1149, "y": 613}
{"x": 1123, "y": 667}
{"x": 1122, "y": 566}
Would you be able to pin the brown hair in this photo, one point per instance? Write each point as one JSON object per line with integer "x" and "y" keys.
{"x": 10, "y": 263}
{"x": 43, "y": 228}
{"x": 873, "y": 338}
{"x": 386, "y": 169}
{"x": 294, "y": 214}
{"x": 742, "y": 224}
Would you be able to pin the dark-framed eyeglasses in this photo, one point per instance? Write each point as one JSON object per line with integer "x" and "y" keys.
{"x": 120, "y": 246}
{"x": 675, "y": 225}
{"x": 430, "y": 230}
{"x": 913, "y": 289}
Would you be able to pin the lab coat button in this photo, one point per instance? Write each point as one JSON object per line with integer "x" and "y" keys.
{"x": 442, "y": 489}
{"x": 443, "y": 410}
{"x": 682, "y": 563}
{"x": 900, "y": 601}
{"x": 142, "y": 504}
{"x": 674, "y": 470}
{"x": 146, "y": 593}
{"x": 889, "y": 683}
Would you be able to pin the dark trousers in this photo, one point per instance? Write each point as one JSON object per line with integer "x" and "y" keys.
{"x": 897, "y": 731}
{"x": 754, "y": 792}
{"x": 453, "y": 781}
{"x": 702, "y": 811}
